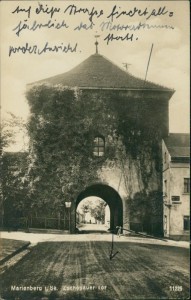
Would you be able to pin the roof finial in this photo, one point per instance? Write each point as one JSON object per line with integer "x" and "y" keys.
{"x": 96, "y": 43}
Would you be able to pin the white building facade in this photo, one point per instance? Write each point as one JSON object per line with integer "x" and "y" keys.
{"x": 176, "y": 186}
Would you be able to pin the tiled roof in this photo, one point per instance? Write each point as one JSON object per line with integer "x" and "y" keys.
{"x": 178, "y": 144}
{"x": 98, "y": 72}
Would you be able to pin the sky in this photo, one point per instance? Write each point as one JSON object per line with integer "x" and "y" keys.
{"x": 169, "y": 63}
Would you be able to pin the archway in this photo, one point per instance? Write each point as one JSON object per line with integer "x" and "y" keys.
{"x": 110, "y": 196}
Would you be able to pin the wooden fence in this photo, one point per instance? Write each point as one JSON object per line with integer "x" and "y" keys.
{"x": 38, "y": 222}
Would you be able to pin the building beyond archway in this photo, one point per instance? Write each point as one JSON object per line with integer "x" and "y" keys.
{"x": 110, "y": 196}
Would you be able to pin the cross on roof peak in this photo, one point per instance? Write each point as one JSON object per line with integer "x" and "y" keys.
{"x": 126, "y": 66}
{"x": 96, "y": 42}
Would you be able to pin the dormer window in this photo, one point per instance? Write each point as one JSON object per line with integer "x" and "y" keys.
{"x": 99, "y": 146}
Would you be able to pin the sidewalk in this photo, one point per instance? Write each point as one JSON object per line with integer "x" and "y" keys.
{"x": 35, "y": 238}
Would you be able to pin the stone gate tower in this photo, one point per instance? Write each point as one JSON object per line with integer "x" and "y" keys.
{"x": 142, "y": 110}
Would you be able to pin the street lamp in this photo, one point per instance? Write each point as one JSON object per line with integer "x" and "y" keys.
{"x": 67, "y": 205}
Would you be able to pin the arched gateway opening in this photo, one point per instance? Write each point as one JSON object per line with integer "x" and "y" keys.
{"x": 110, "y": 196}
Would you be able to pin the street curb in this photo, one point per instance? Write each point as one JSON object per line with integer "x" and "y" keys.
{"x": 2, "y": 261}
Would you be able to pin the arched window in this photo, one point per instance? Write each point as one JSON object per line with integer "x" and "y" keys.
{"x": 99, "y": 146}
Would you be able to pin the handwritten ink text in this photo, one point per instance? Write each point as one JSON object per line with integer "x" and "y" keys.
{"x": 45, "y": 9}
{"x": 73, "y": 10}
{"x": 27, "y": 10}
{"x": 34, "y": 49}
{"x": 35, "y": 25}
{"x": 111, "y": 37}
{"x": 84, "y": 26}
{"x": 107, "y": 25}
{"x": 117, "y": 13}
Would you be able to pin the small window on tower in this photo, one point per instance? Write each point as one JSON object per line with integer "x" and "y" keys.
{"x": 186, "y": 223}
{"x": 186, "y": 185}
{"x": 99, "y": 146}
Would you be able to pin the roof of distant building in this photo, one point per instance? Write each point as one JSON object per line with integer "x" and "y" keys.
{"x": 178, "y": 145}
{"x": 99, "y": 72}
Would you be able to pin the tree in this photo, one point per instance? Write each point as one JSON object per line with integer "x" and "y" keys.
{"x": 95, "y": 207}
{"x": 13, "y": 167}
{"x": 85, "y": 208}
{"x": 10, "y": 127}
{"x": 142, "y": 206}
{"x": 98, "y": 211}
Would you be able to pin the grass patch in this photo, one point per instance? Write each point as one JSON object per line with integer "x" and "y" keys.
{"x": 9, "y": 247}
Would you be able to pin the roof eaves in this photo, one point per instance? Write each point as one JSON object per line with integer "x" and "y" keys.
{"x": 180, "y": 159}
{"x": 126, "y": 89}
